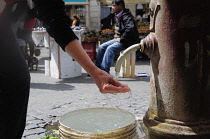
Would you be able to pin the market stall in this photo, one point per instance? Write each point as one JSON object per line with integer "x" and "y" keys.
{"x": 60, "y": 65}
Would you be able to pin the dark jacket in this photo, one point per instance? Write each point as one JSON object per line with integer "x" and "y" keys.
{"x": 57, "y": 23}
{"x": 128, "y": 30}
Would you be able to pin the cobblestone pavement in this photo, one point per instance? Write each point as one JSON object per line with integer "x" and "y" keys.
{"x": 50, "y": 98}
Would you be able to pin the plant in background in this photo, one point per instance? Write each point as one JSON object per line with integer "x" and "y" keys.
{"x": 90, "y": 35}
{"x": 49, "y": 137}
{"x": 106, "y": 35}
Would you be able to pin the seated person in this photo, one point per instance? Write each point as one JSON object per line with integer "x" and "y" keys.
{"x": 126, "y": 34}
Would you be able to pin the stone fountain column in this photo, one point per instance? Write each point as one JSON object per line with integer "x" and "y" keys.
{"x": 179, "y": 49}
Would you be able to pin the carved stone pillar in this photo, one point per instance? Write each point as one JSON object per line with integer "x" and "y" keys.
{"x": 179, "y": 48}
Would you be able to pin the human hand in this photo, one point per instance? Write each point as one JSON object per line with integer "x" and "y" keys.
{"x": 107, "y": 84}
{"x": 103, "y": 80}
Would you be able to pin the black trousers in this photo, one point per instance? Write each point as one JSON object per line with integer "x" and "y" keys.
{"x": 14, "y": 85}
{"x": 27, "y": 36}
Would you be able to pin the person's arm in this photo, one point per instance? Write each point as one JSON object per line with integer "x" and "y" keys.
{"x": 103, "y": 80}
{"x": 52, "y": 13}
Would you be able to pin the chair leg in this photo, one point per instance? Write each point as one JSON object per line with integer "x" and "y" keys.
{"x": 127, "y": 66}
{"x": 133, "y": 63}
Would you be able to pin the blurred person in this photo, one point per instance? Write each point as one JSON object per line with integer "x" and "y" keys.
{"x": 126, "y": 34}
{"x": 26, "y": 24}
{"x": 146, "y": 16}
{"x": 28, "y": 28}
{"x": 14, "y": 72}
{"x": 109, "y": 21}
{"x": 76, "y": 21}
{"x": 22, "y": 44}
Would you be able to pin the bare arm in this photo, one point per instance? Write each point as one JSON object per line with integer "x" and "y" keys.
{"x": 103, "y": 80}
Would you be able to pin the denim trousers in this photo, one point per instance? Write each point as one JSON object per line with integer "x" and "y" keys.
{"x": 106, "y": 54}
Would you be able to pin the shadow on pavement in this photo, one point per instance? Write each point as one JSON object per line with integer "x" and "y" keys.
{"x": 45, "y": 86}
{"x": 140, "y": 79}
{"x": 80, "y": 79}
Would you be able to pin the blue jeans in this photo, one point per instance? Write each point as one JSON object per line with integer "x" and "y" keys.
{"x": 106, "y": 54}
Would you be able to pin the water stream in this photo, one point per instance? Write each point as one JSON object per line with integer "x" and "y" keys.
{"x": 115, "y": 101}
{"x": 116, "y": 98}
{"x": 117, "y": 75}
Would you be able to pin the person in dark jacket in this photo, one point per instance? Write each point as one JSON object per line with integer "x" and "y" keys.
{"x": 14, "y": 73}
{"x": 126, "y": 34}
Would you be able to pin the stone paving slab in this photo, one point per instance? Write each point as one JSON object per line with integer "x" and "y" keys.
{"x": 50, "y": 98}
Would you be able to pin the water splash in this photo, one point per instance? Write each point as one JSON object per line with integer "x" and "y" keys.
{"x": 115, "y": 100}
{"x": 117, "y": 75}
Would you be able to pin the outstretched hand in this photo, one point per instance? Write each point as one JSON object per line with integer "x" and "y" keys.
{"x": 107, "y": 84}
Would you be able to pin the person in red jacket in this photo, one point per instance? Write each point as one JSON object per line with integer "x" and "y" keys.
{"x": 14, "y": 72}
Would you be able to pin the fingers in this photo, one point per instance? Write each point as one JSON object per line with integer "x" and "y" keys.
{"x": 114, "y": 86}
{"x": 109, "y": 88}
{"x": 108, "y": 84}
{"x": 116, "y": 83}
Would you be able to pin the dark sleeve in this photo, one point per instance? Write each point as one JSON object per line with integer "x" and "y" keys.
{"x": 57, "y": 23}
{"x": 128, "y": 28}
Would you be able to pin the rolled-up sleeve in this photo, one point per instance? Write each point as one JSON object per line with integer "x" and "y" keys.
{"x": 57, "y": 23}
